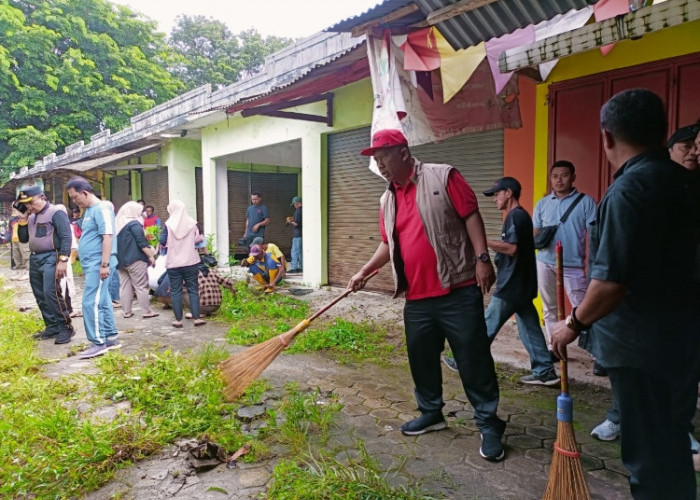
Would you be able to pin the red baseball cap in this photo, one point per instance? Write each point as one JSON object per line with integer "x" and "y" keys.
{"x": 386, "y": 138}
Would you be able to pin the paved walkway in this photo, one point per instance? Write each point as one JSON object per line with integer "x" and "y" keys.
{"x": 376, "y": 401}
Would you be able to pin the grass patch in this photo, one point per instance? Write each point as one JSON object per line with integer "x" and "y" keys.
{"x": 257, "y": 317}
{"x": 321, "y": 477}
{"x": 347, "y": 341}
{"x": 61, "y": 438}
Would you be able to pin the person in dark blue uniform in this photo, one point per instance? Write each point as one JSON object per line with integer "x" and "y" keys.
{"x": 48, "y": 232}
{"x": 642, "y": 302}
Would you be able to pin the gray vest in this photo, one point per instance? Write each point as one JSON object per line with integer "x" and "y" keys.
{"x": 41, "y": 230}
{"x": 445, "y": 230}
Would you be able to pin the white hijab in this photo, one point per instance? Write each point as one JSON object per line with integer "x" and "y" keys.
{"x": 179, "y": 223}
{"x": 129, "y": 211}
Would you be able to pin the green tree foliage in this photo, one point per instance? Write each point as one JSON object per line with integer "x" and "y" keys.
{"x": 210, "y": 53}
{"x": 70, "y": 68}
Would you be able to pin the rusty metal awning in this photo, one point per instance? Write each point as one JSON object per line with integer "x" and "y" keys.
{"x": 463, "y": 23}
{"x": 110, "y": 161}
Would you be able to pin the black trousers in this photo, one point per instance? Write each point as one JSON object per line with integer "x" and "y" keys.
{"x": 654, "y": 417}
{"x": 457, "y": 317}
{"x": 47, "y": 292}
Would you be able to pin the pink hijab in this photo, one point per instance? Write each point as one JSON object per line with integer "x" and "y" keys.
{"x": 179, "y": 223}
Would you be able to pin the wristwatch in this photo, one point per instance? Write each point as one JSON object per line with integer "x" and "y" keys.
{"x": 573, "y": 323}
{"x": 484, "y": 257}
{"x": 63, "y": 258}
{"x": 104, "y": 264}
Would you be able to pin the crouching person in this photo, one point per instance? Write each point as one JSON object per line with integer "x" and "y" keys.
{"x": 265, "y": 268}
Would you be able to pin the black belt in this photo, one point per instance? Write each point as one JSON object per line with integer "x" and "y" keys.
{"x": 42, "y": 253}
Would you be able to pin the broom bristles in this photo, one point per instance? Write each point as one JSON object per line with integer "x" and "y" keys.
{"x": 241, "y": 369}
{"x": 566, "y": 481}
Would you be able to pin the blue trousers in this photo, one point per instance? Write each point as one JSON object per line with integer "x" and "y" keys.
{"x": 114, "y": 284}
{"x": 98, "y": 312}
{"x": 188, "y": 275}
{"x": 459, "y": 318}
{"x": 297, "y": 255}
{"x": 47, "y": 292}
{"x": 529, "y": 330}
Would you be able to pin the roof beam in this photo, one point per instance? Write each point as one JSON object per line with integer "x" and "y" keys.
{"x": 361, "y": 29}
{"x": 275, "y": 110}
{"x": 628, "y": 26}
{"x": 453, "y": 10}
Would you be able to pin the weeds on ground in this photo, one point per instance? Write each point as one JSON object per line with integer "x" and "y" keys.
{"x": 321, "y": 477}
{"x": 256, "y": 318}
{"x": 56, "y": 440}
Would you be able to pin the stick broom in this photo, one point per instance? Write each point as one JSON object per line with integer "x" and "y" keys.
{"x": 566, "y": 481}
{"x": 241, "y": 369}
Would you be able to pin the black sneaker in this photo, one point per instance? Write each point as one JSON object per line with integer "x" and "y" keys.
{"x": 549, "y": 378}
{"x": 599, "y": 370}
{"x": 427, "y": 422}
{"x": 491, "y": 448}
{"x": 450, "y": 363}
{"x": 43, "y": 335}
{"x": 64, "y": 337}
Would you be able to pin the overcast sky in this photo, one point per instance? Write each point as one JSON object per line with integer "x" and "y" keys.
{"x": 286, "y": 18}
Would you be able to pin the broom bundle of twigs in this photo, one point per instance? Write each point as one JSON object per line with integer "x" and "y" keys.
{"x": 566, "y": 481}
{"x": 241, "y": 369}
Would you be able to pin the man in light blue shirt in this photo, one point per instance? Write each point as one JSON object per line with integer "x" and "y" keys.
{"x": 97, "y": 250}
{"x": 572, "y": 234}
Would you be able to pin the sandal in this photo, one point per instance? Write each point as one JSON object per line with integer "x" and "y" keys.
{"x": 76, "y": 314}
{"x": 152, "y": 315}
{"x": 128, "y": 315}
{"x": 177, "y": 324}
{"x": 199, "y": 322}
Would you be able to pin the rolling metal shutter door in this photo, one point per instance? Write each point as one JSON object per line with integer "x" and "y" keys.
{"x": 353, "y": 210}
{"x": 154, "y": 191}
{"x": 479, "y": 158}
{"x": 119, "y": 193}
{"x": 277, "y": 191}
{"x": 354, "y": 192}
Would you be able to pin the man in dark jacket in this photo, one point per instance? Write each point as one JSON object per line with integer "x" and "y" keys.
{"x": 47, "y": 230}
{"x": 642, "y": 305}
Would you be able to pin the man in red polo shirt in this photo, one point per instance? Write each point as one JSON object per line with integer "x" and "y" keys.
{"x": 433, "y": 236}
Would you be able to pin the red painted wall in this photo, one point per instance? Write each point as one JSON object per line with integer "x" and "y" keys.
{"x": 519, "y": 145}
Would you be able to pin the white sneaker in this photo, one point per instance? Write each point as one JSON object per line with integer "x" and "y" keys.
{"x": 606, "y": 431}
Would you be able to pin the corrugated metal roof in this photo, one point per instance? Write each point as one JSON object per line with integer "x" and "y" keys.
{"x": 289, "y": 66}
{"x": 469, "y": 28}
{"x": 377, "y": 12}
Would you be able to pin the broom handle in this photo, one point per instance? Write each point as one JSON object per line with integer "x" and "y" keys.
{"x": 559, "y": 254}
{"x": 341, "y": 297}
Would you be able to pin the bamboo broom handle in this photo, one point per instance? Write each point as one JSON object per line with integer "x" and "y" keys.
{"x": 341, "y": 297}
{"x": 559, "y": 254}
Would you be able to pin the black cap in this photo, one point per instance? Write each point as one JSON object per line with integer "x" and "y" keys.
{"x": 505, "y": 183}
{"x": 683, "y": 134}
{"x": 26, "y": 194}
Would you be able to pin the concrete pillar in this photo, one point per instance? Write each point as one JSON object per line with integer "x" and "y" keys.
{"x": 314, "y": 211}
{"x": 222, "y": 240}
{"x": 181, "y": 181}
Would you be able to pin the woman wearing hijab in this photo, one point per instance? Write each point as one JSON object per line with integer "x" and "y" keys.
{"x": 179, "y": 236}
{"x": 134, "y": 255}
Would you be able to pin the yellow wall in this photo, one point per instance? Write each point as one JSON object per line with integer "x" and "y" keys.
{"x": 672, "y": 42}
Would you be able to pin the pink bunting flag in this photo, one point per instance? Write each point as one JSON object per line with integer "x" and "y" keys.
{"x": 496, "y": 46}
{"x": 420, "y": 51}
